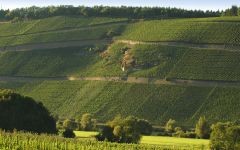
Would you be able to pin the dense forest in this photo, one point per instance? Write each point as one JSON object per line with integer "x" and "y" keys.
{"x": 105, "y": 11}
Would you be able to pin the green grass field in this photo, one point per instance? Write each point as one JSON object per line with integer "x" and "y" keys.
{"x": 156, "y": 103}
{"x": 85, "y": 134}
{"x": 161, "y": 141}
{"x": 185, "y": 30}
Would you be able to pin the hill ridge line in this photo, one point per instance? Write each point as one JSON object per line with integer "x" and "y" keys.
{"x": 137, "y": 80}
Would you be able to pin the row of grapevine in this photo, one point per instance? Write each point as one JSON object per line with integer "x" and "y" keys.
{"x": 58, "y": 36}
{"x": 208, "y": 65}
{"x": 27, "y": 141}
{"x": 185, "y": 30}
{"x": 53, "y": 23}
{"x": 156, "y": 103}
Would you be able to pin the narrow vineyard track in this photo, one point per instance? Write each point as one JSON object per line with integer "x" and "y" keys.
{"x": 136, "y": 80}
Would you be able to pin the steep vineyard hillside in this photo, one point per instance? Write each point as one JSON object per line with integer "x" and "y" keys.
{"x": 154, "y": 69}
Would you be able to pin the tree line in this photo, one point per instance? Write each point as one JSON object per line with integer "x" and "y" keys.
{"x": 104, "y": 11}
{"x": 234, "y": 11}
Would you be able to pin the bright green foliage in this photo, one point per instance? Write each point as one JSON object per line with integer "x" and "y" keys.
{"x": 163, "y": 140}
{"x": 71, "y": 99}
{"x": 87, "y": 123}
{"x": 85, "y": 134}
{"x": 225, "y": 136}
{"x": 170, "y": 125}
{"x": 202, "y": 128}
{"x": 184, "y": 30}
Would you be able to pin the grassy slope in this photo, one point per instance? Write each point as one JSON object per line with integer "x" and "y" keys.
{"x": 72, "y": 61}
{"x": 106, "y": 99}
{"x": 183, "y": 63}
{"x": 88, "y": 34}
{"x": 47, "y": 62}
{"x": 21, "y": 30}
{"x": 53, "y": 23}
{"x": 185, "y": 30}
{"x": 151, "y": 61}
{"x": 208, "y": 65}
{"x": 153, "y": 102}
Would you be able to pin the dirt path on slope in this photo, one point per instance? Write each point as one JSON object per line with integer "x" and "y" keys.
{"x": 41, "y": 46}
{"x": 137, "y": 80}
{"x": 227, "y": 47}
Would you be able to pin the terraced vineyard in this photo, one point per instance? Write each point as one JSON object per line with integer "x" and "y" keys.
{"x": 156, "y": 103}
{"x": 154, "y": 68}
{"x": 54, "y": 23}
{"x": 208, "y": 65}
{"x": 58, "y": 36}
{"x": 151, "y": 61}
{"x": 185, "y": 30}
{"x": 72, "y": 61}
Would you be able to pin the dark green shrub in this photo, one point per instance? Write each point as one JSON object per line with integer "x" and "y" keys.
{"x": 121, "y": 130}
{"x": 68, "y": 133}
{"x": 190, "y": 135}
{"x": 182, "y": 134}
{"x": 202, "y": 128}
{"x": 145, "y": 127}
{"x": 23, "y": 113}
{"x": 106, "y": 134}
